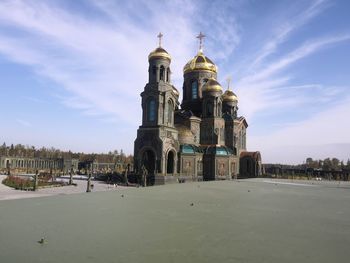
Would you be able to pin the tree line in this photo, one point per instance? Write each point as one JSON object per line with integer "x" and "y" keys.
{"x": 328, "y": 164}
{"x": 26, "y": 151}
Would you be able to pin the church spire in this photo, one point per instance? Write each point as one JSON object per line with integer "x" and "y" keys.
{"x": 201, "y": 37}
{"x": 160, "y": 36}
{"x": 228, "y": 79}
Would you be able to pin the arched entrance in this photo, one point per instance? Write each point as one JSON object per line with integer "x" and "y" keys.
{"x": 170, "y": 163}
{"x": 149, "y": 161}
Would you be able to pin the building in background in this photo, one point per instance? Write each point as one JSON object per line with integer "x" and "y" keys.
{"x": 31, "y": 165}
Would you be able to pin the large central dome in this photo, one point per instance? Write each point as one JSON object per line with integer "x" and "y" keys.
{"x": 200, "y": 62}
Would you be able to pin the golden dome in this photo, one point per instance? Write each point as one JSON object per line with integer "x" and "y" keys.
{"x": 211, "y": 85}
{"x": 200, "y": 62}
{"x": 229, "y": 96}
{"x": 185, "y": 135}
{"x": 184, "y": 131}
{"x": 159, "y": 53}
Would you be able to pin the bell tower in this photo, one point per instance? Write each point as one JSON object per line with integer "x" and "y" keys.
{"x": 229, "y": 111}
{"x": 212, "y": 125}
{"x": 157, "y": 138}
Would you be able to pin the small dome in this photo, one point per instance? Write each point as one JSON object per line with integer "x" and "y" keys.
{"x": 159, "y": 52}
{"x": 229, "y": 96}
{"x": 184, "y": 131}
{"x": 200, "y": 62}
{"x": 211, "y": 85}
{"x": 185, "y": 134}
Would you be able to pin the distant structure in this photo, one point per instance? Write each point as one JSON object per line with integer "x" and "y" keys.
{"x": 57, "y": 165}
{"x": 20, "y": 159}
{"x": 205, "y": 139}
{"x": 25, "y": 164}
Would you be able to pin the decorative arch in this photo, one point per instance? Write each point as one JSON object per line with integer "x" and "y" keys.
{"x": 170, "y": 161}
{"x": 148, "y": 158}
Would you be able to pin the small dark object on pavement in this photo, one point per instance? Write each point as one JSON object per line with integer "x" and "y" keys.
{"x": 191, "y": 204}
{"x": 41, "y": 241}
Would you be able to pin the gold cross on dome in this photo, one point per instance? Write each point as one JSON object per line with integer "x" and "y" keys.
{"x": 160, "y": 35}
{"x": 228, "y": 82}
{"x": 201, "y": 36}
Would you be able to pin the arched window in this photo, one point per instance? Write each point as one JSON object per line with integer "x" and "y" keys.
{"x": 161, "y": 74}
{"x": 151, "y": 110}
{"x": 170, "y": 112}
{"x": 209, "y": 109}
{"x": 154, "y": 70}
{"x": 168, "y": 75}
{"x": 194, "y": 89}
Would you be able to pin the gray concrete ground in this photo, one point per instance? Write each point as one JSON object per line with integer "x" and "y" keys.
{"x": 257, "y": 220}
{"x": 10, "y": 193}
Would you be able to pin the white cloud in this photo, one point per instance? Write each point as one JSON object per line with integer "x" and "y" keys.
{"x": 325, "y": 134}
{"x": 306, "y": 49}
{"x": 100, "y": 59}
{"x": 283, "y": 31}
{"x": 103, "y": 69}
{"x": 270, "y": 87}
{"x": 24, "y": 123}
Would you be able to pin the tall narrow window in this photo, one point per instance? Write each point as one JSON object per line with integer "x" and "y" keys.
{"x": 194, "y": 89}
{"x": 161, "y": 74}
{"x": 170, "y": 112}
{"x": 209, "y": 108}
{"x": 154, "y": 70}
{"x": 151, "y": 110}
{"x": 168, "y": 75}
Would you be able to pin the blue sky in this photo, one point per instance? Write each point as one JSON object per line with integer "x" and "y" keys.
{"x": 71, "y": 71}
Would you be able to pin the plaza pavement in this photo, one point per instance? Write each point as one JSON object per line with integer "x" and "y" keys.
{"x": 255, "y": 220}
{"x": 10, "y": 193}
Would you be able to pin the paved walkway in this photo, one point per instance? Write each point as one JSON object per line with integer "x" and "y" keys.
{"x": 10, "y": 193}
{"x": 221, "y": 221}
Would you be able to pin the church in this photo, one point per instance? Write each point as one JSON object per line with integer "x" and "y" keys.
{"x": 203, "y": 138}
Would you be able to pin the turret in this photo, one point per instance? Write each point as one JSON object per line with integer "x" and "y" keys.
{"x": 212, "y": 104}
{"x": 160, "y": 97}
{"x": 229, "y": 102}
{"x": 159, "y": 64}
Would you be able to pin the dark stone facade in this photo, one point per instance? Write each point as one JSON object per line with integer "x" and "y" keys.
{"x": 201, "y": 141}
